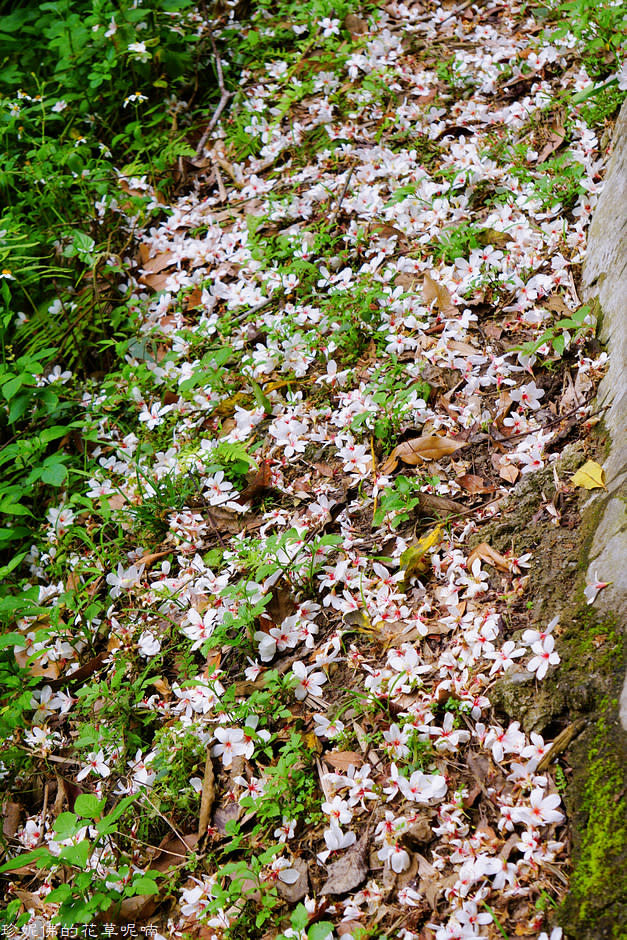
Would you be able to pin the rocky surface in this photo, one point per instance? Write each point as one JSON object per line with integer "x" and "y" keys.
{"x": 596, "y": 906}
{"x": 605, "y": 277}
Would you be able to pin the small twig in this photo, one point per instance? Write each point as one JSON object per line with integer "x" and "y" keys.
{"x": 164, "y": 818}
{"x": 260, "y": 306}
{"x": 550, "y": 424}
{"x": 561, "y": 742}
{"x": 221, "y": 189}
{"x": 44, "y": 810}
{"x": 336, "y": 211}
{"x": 225, "y": 97}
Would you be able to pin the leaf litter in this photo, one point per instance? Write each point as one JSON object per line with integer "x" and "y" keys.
{"x": 312, "y": 690}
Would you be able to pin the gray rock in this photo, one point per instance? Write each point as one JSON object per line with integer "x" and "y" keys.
{"x": 605, "y": 277}
{"x": 517, "y": 695}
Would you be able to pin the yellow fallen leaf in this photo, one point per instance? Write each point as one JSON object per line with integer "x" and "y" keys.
{"x": 358, "y": 620}
{"x": 591, "y": 475}
{"x": 413, "y": 560}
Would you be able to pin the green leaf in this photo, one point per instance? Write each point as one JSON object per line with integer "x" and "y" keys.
{"x": 262, "y": 400}
{"x": 76, "y": 854}
{"x": 26, "y": 858}
{"x": 60, "y": 894}
{"x": 89, "y": 805}
{"x": 18, "y": 407}
{"x": 320, "y": 931}
{"x": 300, "y": 917}
{"x": 12, "y": 639}
{"x": 66, "y": 825}
{"x": 12, "y": 386}
{"x": 15, "y": 562}
{"x": 144, "y": 885}
{"x": 559, "y": 344}
{"x": 55, "y": 474}
{"x": 106, "y": 825}
{"x": 9, "y": 508}
{"x": 51, "y": 434}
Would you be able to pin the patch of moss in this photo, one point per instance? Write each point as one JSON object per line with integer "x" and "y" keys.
{"x": 595, "y": 637}
{"x": 596, "y": 906}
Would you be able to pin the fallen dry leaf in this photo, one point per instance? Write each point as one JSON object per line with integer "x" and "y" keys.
{"x": 173, "y": 851}
{"x": 348, "y": 928}
{"x": 415, "y": 451}
{"x": 432, "y": 291}
{"x": 488, "y": 554}
{"x": 224, "y": 815}
{"x": 355, "y": 25}
{"x": 341, "y": 760}
{"x": 159, "y": 262}
{"x": 207, "y": 798}
{"x": 474, "y": 484}
{"x": 509, "y": 472}
{"x": 293, "y": 893}
{"x": 194, "y": 299}
{"x": 556, "y": 138}
{"x": 39, "y": 666}
{"x": 575, "y": 393}
{"x": 80, "y": 674}
{"x": 413, "y": 561}
{"x": 556, "y": 304}
{"x": 156, "y": 282}
{"x": 591, "y": 476}
{"x": 349, "y": 871}
{"x": 133, "y": 909}
{"x": 492, "y": 236}
{"x": 260, "y": 484}
{"x": 432, "y": 505}
{"x": 11, "y": 813}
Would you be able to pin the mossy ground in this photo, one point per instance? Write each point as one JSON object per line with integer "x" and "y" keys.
{"x": 596, "y": 906}
{"x": 587, "y": 684}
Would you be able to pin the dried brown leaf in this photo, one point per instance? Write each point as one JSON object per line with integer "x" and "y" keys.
{"x": 432, "y": 291}
{"x": 488, "y": 554}
{"x": 259, "y": 485}
{"x": 40, "y": 666}
{"x": 159, "y": 262}
{"x": 349, "y": 871}
{"x": 293, "y": 893}
{"x": 207, "y": 798}
{"x": 348, "y": 928}
{"x": 156, "y": 282}
{"x": 133, "y": 910}
{"x": 355, "y": 25}
{"x": 415, "y": 451}
{"x": 225, "y": 814}
{"x": 194, "y": 299}
{"x": 464, "y": 348}
{"x": 509, "y": 473}
{"x": 555, "y": 141}
{"x": 173, "y": 851}
{"x": 31, "y": 901}
{"x": 492, "y": 236}
{"x": 341, "y": 760}
{"x": 84, "y": 672}
{"x": 474, "y": 484}
{"x": 143, "y": 254}
{"x": 431, "y": 504}
{"x": 11, "y": 813}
